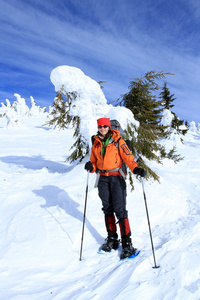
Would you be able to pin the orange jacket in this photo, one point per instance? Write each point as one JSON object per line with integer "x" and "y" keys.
{"x": 113, "y": 157}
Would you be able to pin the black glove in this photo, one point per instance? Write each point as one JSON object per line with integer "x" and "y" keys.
{"x": 139, "y": 171}
{"x": 89, "y": 166}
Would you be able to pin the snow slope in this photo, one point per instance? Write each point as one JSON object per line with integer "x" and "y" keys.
{"x": 41, "y": 212}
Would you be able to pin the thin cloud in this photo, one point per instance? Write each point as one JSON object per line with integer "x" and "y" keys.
{"x": 114, "y": 42}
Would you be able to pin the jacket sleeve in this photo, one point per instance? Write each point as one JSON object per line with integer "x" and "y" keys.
{"x": 127, "y": 155}
{"x": 93, "y": 159}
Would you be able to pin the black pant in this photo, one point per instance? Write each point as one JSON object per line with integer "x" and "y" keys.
{"x": 112, "y": 191}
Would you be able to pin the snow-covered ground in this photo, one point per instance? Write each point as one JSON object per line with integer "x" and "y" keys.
{"x": 41, "y": 212}
{"x": 42, "y": 201}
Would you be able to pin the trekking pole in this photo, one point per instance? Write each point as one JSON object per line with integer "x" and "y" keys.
{"x": 145, "y": 201}
{"x": 86, "y": 193}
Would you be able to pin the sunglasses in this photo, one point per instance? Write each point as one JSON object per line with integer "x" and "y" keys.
{"x": 102, "y": 126}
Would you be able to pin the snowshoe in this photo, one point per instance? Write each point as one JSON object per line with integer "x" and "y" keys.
{"x": 111, "y": 243}
{"x": 127, "y": 248}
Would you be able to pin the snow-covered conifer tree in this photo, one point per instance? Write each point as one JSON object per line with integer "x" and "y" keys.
{"x": 147, "y": 108}
{"x": 61, "y": 118}
{"x": 36, "y": 110}
{"x": 20, "y": 105}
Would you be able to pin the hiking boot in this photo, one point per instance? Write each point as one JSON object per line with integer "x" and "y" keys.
{"x": 127, "y": 248}
{"x": 111, "y": 243}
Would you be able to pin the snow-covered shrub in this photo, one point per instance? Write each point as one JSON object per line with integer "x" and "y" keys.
{"x": 198, "y": 127}
{"x": 167, "y": 118}
{"x": 20, "y": 105}
{"x": 13, "y": 112}
{"x": 36, "y": 110}
{"x": 192, "y": 127}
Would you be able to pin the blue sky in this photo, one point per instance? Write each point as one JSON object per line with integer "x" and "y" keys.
{"x": 109, "y": 40}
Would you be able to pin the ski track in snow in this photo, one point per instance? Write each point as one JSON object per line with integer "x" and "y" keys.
{"x": 41, "y": 214}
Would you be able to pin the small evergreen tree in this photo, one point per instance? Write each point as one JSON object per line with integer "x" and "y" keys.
{"x": 60, "y": 117}
{"x": 167, "y": 100}
{"x": 177, "y": 123}
{"x": 147, "y": 108}
{"x": 186, "y": 124}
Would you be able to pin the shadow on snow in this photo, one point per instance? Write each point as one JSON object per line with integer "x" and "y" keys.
{"x": 37, "y": 163}
{"x": 55, "y": 196}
